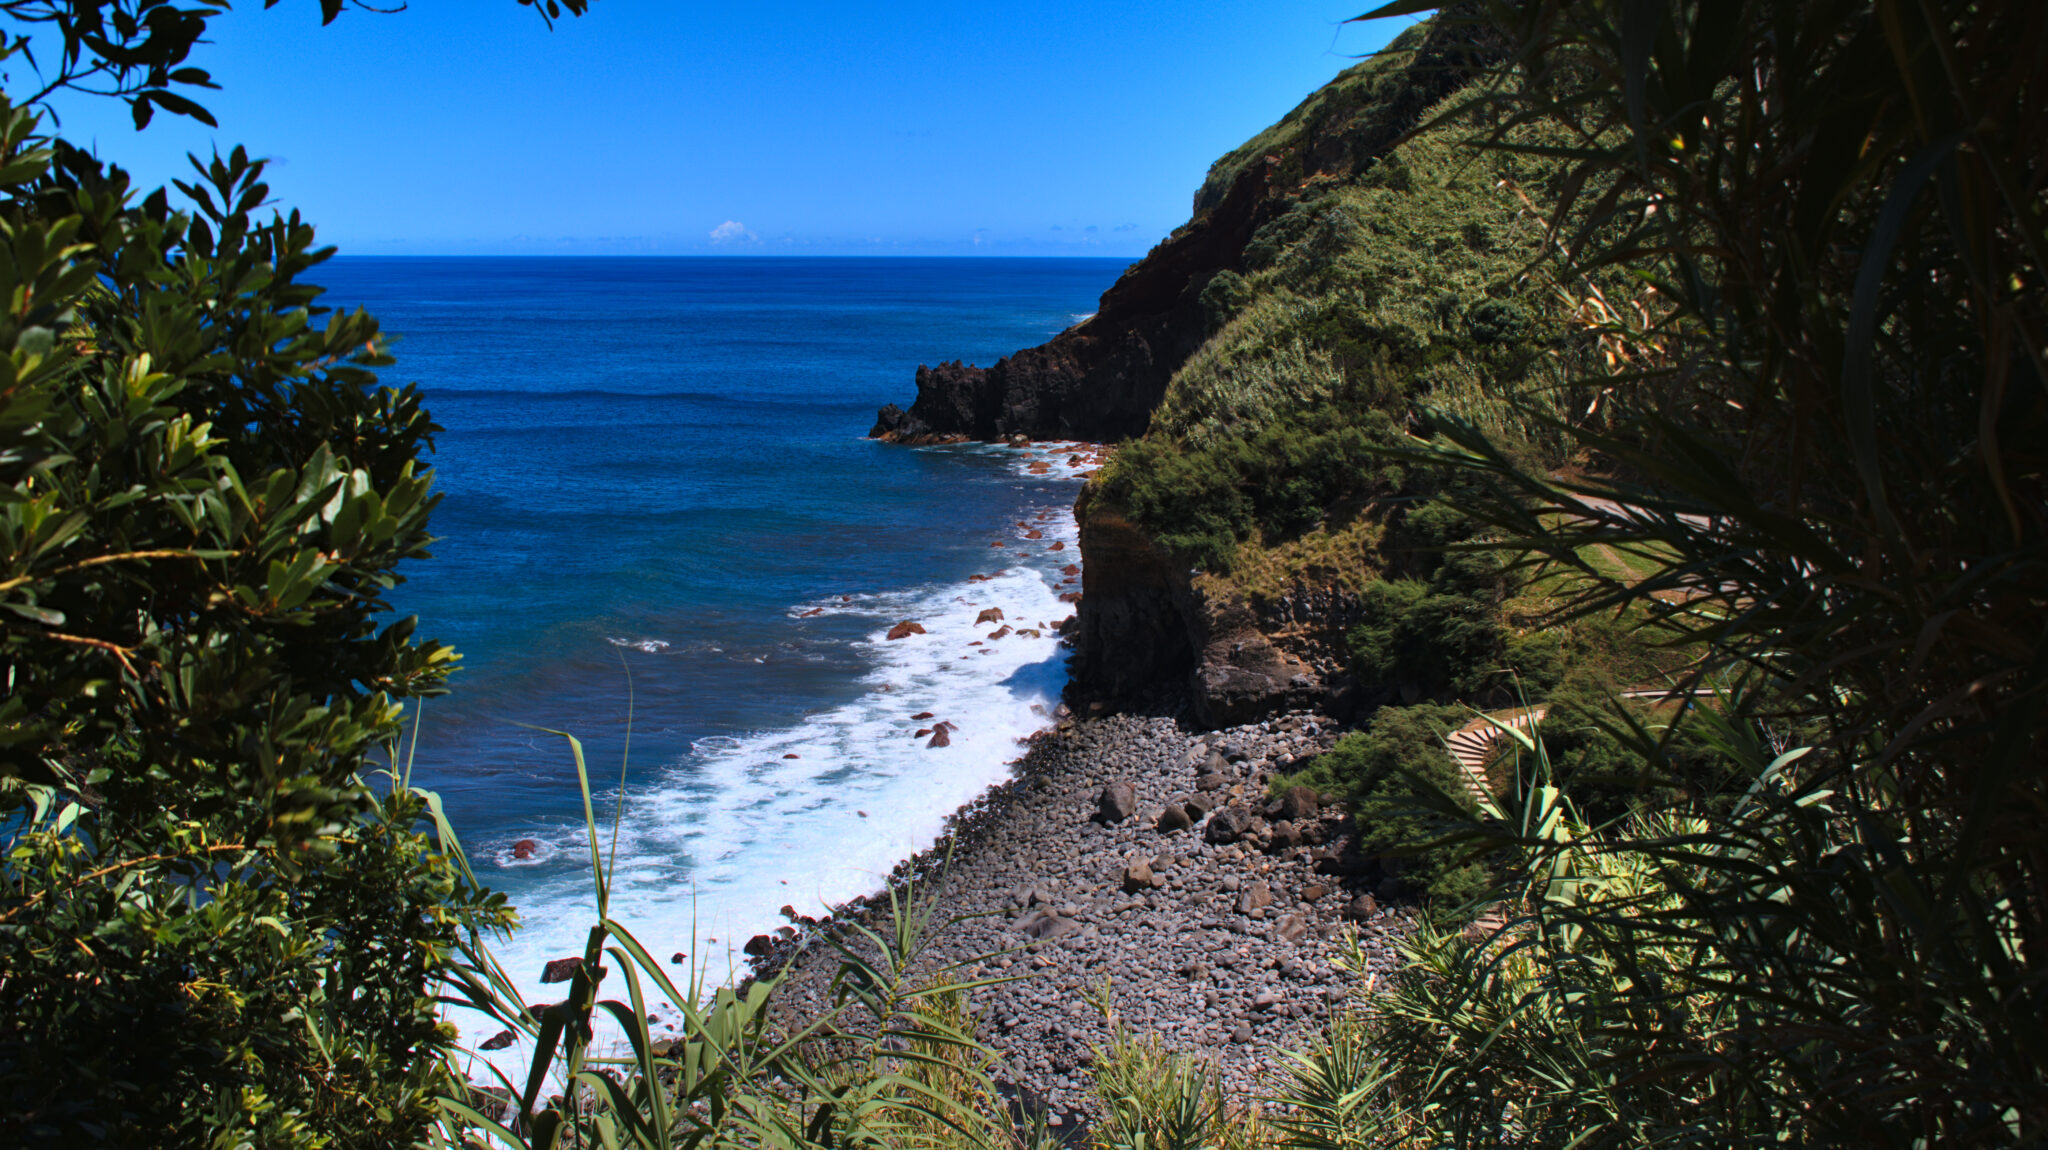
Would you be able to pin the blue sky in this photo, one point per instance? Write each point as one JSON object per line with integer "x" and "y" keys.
{"x": 466, "y": 126}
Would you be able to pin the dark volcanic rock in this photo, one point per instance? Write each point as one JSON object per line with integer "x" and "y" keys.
{"x": 1138, "y": 877}
{"x": 1117, "y": 802}
{"x": 1285, "y": 837}
{"x": 1300, "y": 803}
{"x": 1228, "y": 825}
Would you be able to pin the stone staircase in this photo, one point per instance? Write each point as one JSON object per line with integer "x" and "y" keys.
{"x": 1473, "y": 744}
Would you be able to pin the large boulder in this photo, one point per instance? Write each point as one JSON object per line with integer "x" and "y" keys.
{"x": 1045, "y": 924}
{"x": 1255, "y": 896}
{"x": 906, "y": 629}
{"x": 1228, "y": 825}
{"x": 1300, "y": 803}
{"x": 1117, "y": 802}
{"x": 1174, "y": 818}
{"x": 1285, "y": 836}
{"x": 1138, "y": 877}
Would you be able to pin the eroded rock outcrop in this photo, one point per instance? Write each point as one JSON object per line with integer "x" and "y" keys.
{"x": 1146, "y": 621}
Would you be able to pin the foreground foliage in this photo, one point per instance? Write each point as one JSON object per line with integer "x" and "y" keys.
{"x": 1824, "y": 454}
{"x": 213, "y": 930}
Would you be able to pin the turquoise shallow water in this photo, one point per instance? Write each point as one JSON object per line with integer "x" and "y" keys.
{"x": 657, "y": 468}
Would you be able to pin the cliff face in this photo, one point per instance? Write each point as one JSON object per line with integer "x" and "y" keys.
{"x": 1101, "y": 379}
{"x": 1147, "y": 622}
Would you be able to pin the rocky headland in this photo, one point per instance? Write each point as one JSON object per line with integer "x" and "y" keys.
{"x": 1135, "y": 856}
{"x": 1147, "y": 626}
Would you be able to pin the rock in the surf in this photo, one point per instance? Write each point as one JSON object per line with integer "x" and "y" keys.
{"x": 525, "y": 849}
{"x": 906, "y": 629}
{"x": 940, "y": 738}
{"x": 989, "y": 615}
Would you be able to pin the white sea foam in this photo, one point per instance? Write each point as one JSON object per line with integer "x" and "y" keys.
{"x": 650, "y": 646}
{"x": 820, "y": 811}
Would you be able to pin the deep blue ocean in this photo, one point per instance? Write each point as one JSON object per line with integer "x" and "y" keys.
{"x": 657, "y": 469}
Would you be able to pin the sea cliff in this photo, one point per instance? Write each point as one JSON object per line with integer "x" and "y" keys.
{"x": 1283, "y": 253}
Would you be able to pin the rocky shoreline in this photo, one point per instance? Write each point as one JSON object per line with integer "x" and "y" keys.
{"x": 1133, "y": 853}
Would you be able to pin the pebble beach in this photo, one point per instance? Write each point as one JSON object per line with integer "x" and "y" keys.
{"x": 1134, "y": 858}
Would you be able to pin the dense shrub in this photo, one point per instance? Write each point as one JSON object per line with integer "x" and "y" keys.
{"x": 1394, "y": 775}
{"x": 1498, "y": 321}
{"x": 1433, "y": 625}
{"x": 1202, "y": 501}
{"x": 1223, "y": 297}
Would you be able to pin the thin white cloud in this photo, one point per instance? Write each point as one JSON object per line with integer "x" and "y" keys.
{"x": 732, "y": 232}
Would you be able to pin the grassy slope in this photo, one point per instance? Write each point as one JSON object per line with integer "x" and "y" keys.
{"x": 1410, "y": 285}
